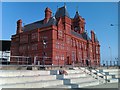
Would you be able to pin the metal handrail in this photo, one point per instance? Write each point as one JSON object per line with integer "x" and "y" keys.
{"x": 103, "y": 75}
{"x": 92, "y": 73}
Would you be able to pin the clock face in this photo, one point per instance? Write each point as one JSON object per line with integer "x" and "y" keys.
{"x": 76, "y": 28}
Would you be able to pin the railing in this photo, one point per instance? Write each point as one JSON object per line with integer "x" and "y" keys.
{"x": 104, "y": 75}
{"x": 95, "y": 74}
{"x": 39, "y": 61}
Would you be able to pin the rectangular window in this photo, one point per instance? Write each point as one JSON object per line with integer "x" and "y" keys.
{"x": 22, "y": 48}
{"x": 77, "y": 43}
{"x": 56, "y": 44}
{"x": 68, "y": 40}
{"x": 34, "y": 47}
{"x": 85, "y": 47}
{"x": 73, "y": 56}
{"x": 80, "y": 45}
{"x": 60, "y": 34}
{"x": 97, "y": 50}
{"x": 73, "y": 43}
{"x": 80, "y": 55}
{"x": 34, "y": 36}
{"x": 23, "y": 39}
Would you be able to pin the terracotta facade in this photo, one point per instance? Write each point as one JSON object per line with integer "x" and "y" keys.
{"x": 65, "y": 38}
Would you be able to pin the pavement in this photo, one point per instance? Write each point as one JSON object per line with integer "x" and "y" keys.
{"x": 107, "y": 85}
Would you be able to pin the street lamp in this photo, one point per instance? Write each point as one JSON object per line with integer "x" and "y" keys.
{"x": 118, "y": 26}
{"x": 110, "y": 54}
{"x": 116, "y": 61}
{"x": 44, "y": 42}
{"x": 114, "y": 24}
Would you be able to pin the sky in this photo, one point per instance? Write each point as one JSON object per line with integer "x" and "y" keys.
{"x": 98, "y": 17}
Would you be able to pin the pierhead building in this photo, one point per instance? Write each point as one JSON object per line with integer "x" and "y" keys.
{"x": 57, "y": 39}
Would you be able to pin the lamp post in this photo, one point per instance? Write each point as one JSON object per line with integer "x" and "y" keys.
{"x": 110, "y": 54}
{"x": 118, "y": 27}
{"x": 44, "y": 42}
{"x": 116, "y": 61}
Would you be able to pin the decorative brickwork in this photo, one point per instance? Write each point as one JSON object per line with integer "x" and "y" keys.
{"x": 61, "y": 39}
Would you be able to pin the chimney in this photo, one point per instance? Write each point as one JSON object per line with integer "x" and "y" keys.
{"x": 92, "y": 36}
{"x": 19, "y": 26}
{"x": 48, "y": 14}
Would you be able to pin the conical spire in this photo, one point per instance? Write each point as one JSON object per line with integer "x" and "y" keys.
{"x": 77, "y": 15}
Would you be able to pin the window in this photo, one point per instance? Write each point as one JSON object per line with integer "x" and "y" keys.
{"x": 90, "y": 48}
{"x": 34, "y": 35}
{"x": 62, "y": 46}
{"x": 73, "y": 43}
{"x": 63, "y": 57}
{"x": 80, "y": 56}
{"x": 85, "y": 47}
{"x": 60, "y": 34}
{"x": 22, "y": 48}
{"x": 97, "y": 50}
{"x": 77, "y": 43}
{"x": 57, "y": 45}
{"x": 85, "y": 55}
{"x": 68, "y": 40}
{"x": 23, "y": 38}
{"x": 34, "y": 47}
{"x": 73, "y": 56}
{"x": 80, "y": 45}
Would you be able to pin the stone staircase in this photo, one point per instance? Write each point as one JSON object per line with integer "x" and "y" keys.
{"x": 112, "y": 74}
{"x": 76, "y": 79}
{"x": 45, "y": 79}
{"x": 27, "y": 79}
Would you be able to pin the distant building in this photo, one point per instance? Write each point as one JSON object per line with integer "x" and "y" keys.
{"x": 59, "y": 37}
{"x": 5, "y": 51}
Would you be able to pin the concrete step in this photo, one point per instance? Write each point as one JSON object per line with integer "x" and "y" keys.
{"x": 109, "y": 76}
{"x": 77, "y": 80}
{"x": 54, "y": 72}
{"x": 11, "y": 73}
{"x": 109, "y": 70}
{"x": 74, "y": 71}
{"x": 113, "y": 80}
{"x": 60, "y": 86}
{"x": 89, "y": 83}
{"x": 23, "y": 79}
{"x": 84, "y": 84}
{"x": 37, "y": 84}
{"x": 104, "y": 76}
{"x": 71, "y": 76}
{"x": 117, "y": 76}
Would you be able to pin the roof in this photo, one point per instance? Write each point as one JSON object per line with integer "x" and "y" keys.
{"x": 77, "y": 15}
{"x": 96, "y": 40}
{"x": 5, "y": 45}
{"x": 82, "y": 36}
{"x": 40, "y": 24}
{"x": 52, "y": 21}
{"x": 85, "y": 36}
{"x": 76, "y": 34}
{"x": 61, "y": 12}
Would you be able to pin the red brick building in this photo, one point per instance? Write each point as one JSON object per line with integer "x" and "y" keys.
{"x": 61, "y": 38}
